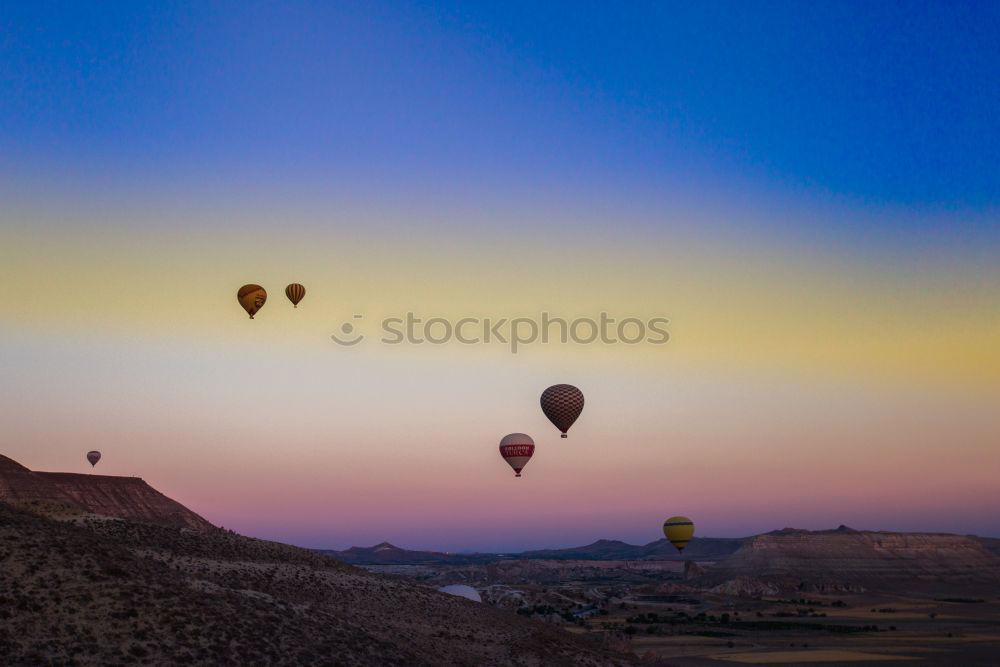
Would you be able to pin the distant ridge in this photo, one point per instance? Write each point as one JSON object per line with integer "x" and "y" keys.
{"x": 838, "y": 559}
{"x": 704, "y": 548}
{"x": 389, "y": 554}
{"x": 118, "y": 497}
{"x": 700, "y": 548}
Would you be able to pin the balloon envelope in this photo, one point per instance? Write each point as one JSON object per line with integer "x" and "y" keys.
{"x": 252, "y": 298}
{"x": 562, "y": 404}
{"x": 295, "y": 292}
{"x": 93, "y": 456}
{"x": 678, "y": 530}
{"x": 516, "y": 449}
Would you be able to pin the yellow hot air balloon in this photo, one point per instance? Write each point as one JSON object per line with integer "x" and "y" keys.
{"x": 252, "y": 298}
{"x": 679, "y": 530}
{"x": 295, "y": 292}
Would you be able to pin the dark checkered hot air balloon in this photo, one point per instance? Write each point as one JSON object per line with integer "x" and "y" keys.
{"x": 252, "y": 298}
{"x": 295, "y": 292}
{"x": 93, "y": 457}
{"x": 562, "y": 404}
{"x": 516, "y": 449}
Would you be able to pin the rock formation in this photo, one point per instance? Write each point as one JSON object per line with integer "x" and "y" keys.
{"x": 846, "y": 560}
{"x": 20, "y": 485}
{"x": 692, "y": 569}
{"x": 117, "y": 497}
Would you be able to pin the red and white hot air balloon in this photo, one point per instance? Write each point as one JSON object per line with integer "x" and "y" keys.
{"x": 516, "y": 449}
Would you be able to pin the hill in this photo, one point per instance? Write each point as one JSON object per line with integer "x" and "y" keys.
{"x": 992, "y": 544}
{"x": 599, "y": 550}
{"x": 81, "y": 587}
{"x": 388, "y": 554}
{"x": 700, "y": 548}
{"x": 20, "y": 486}
{"x": 853, "y": 560}
{"x": 703, "y": 548}
{"x": 113, "y": 591}
{"x": 72, "y": 493}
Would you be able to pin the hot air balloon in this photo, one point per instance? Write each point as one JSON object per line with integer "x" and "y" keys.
{"x": 516, "y": 449}
{"x": 295, "y": 292}
{"x": 679, "y": 530}
{"x": 93, "y": 456}
{"x": 562, "y": 404}
{"x": 252, "y": 298}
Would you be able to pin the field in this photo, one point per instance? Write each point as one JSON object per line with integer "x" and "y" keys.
{"x": 864, "y": 630}
{"x": 652, "y": 612}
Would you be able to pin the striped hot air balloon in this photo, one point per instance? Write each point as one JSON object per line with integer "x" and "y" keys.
{"x": 252, "y": 298}
{"x": 295, "y": 292}
{"x": 93, "y": 457}
{"x": 678, "y": 530}
{"x": 562, "y": 404}
{"x": 516, "y": 449}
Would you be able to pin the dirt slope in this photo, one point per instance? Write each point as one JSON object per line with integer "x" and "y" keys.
{"x": 110, "y": 591}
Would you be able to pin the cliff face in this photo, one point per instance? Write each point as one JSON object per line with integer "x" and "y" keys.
{"x": 848, "y": 560}
{"x": 20, "y": 486}
{"x": 125, "y": 498}
{"x": 119, "y": 497}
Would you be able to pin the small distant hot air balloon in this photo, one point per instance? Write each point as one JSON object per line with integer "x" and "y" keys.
{"x": 516, "y": 449}
{"x": 295, "y": 292}
{"x": 252, "y": 298}
{"x": 678, "y": 530}
{"x": 562, "y": 404}
{"x": 93, "y": 456}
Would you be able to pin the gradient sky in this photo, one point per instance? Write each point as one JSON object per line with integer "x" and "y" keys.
{"x": 810, "y": 194}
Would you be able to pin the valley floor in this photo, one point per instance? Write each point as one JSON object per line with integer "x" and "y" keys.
{"x": 653, "y": 612}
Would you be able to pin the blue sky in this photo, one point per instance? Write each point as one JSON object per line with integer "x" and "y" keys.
{"x": 886, "y": 103}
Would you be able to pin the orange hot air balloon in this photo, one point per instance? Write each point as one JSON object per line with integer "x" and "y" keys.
{"x": 295, "y": 292}
{"x": 516, "y": 449}
{"x": 562, "y": 404}
{"x": 252, "y": 298}
{"x": 93, "y": 457}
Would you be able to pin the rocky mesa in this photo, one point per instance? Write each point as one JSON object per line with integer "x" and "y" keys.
{"x": 844, "y": 560}
{"x": 118, "y": 497}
